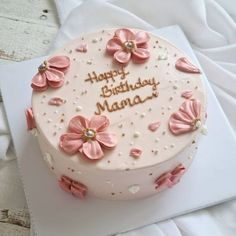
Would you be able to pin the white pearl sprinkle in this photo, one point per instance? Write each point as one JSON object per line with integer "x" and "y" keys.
{"x": 204, "y": 130}
{"x": 49, "y": 120}
{"x": 155, "y": 152}
{"x": 134, "y": 188}
{"x": 131, "y": 143}
{"x": 172, "y": 145}
{"x": 89, "y": 62}
{"x": 162, "y": 57}
{"x": 95, "y": 40}
{"x": 143, "y": 115}
{"x": 149, "y": 109}
{"x": 169, "y": 107}
{"x": 198, "y": 124}
{"x": 120, "y": 125}
{"x": 79, "y": 108}
{"x": 165, "y": 147}
{"x": 157, "y": 140}
{"x": 79, "y": 172}
{"x": 136, "y": 134}
{"x": 55, "y": 112}
{"x": 175, "y": 87}
{"x": 120, "y": 154}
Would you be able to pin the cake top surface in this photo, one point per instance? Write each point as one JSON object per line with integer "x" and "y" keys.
{"x": 125, "y": 100}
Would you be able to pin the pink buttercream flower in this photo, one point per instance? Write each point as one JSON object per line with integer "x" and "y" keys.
{"x": 187, "y": 119}
{"x": 88, "y": 137}
{"x": 51, "y": 73}
{"x": 126, "y": 44}
{"x": 30, "y": 119}
{"x": 169, "y": 179}
{"x": 76, "y": 188}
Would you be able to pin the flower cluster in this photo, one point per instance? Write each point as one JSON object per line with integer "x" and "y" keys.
{"x": 88, "y": 137}
{"x": 51, "y": 73}
{"x": 126, "y": 45}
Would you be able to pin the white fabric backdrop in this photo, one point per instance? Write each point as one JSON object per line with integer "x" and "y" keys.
{"x": 210, "y": 26}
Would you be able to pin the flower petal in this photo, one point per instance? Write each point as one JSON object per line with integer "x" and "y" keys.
{"x": 141, "y": 37}
{"x": 178, "y": 126}
{"x": 70, "y": 143}
{"x": 113, "y": 45}
{"x": 163, "y": 181}
{"x": 66, "y": 179}
{"x": 135, "y": 152}
{"x": 56, "y": 101}
{"x": 177, "y": 173}
{"x": 99, "y": 123}
{"x": 124, "y": 35}
{"x": 59, "y": 62}
{"x": 140, "y": 55}
{"x": 64, "y": 185}
{"x": 180, "y": 169}
{"x": 92, "y": 150}
{"x": 122, "y": 56}
{"x": 30, "y": 119}
{"x": 184, "y": 65}
{"x": 78, "y": 189}
{"x": 54, "y": 75}
{"x": 78, "y": 124}
{"x": 143, "y": 45}
{"x": 154, "y": 126}
{"x": 56, "y": 84}
{"x": 182, "y": 121}
{"x": 108, "y": 140}
{"x": 39, "y": 82}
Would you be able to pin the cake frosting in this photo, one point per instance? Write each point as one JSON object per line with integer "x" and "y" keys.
{"x": 118, "y": 114}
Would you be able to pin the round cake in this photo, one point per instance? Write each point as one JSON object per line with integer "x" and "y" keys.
{"x": 117, "y": 114}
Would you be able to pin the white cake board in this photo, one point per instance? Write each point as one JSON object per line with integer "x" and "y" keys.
{"x": 210, "y": 179}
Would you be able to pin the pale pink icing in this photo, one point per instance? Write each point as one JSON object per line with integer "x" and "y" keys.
{"x": 56, "y": 101}
{"x": 77, "y": 140}
{"x": 169, "y": 179}
{"x": 187, "y": 94}
{"x": 83, "y": 47}
{"x": 117, "y": 46}
{"x": 30, "y": 119}
{"x": 135, "y": 152}
{"x": 51, "y": 73}
{"x": 185, "y": 120}
{"x": 76, "y": 188}
{"x": 184, "y": 65}
{"x": 154, "y": 126}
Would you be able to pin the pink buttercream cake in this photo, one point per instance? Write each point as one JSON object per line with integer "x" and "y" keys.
{"x": 117, "y": 114}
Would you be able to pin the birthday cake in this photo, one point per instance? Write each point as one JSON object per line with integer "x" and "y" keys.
{"x": 118, "y": 114}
